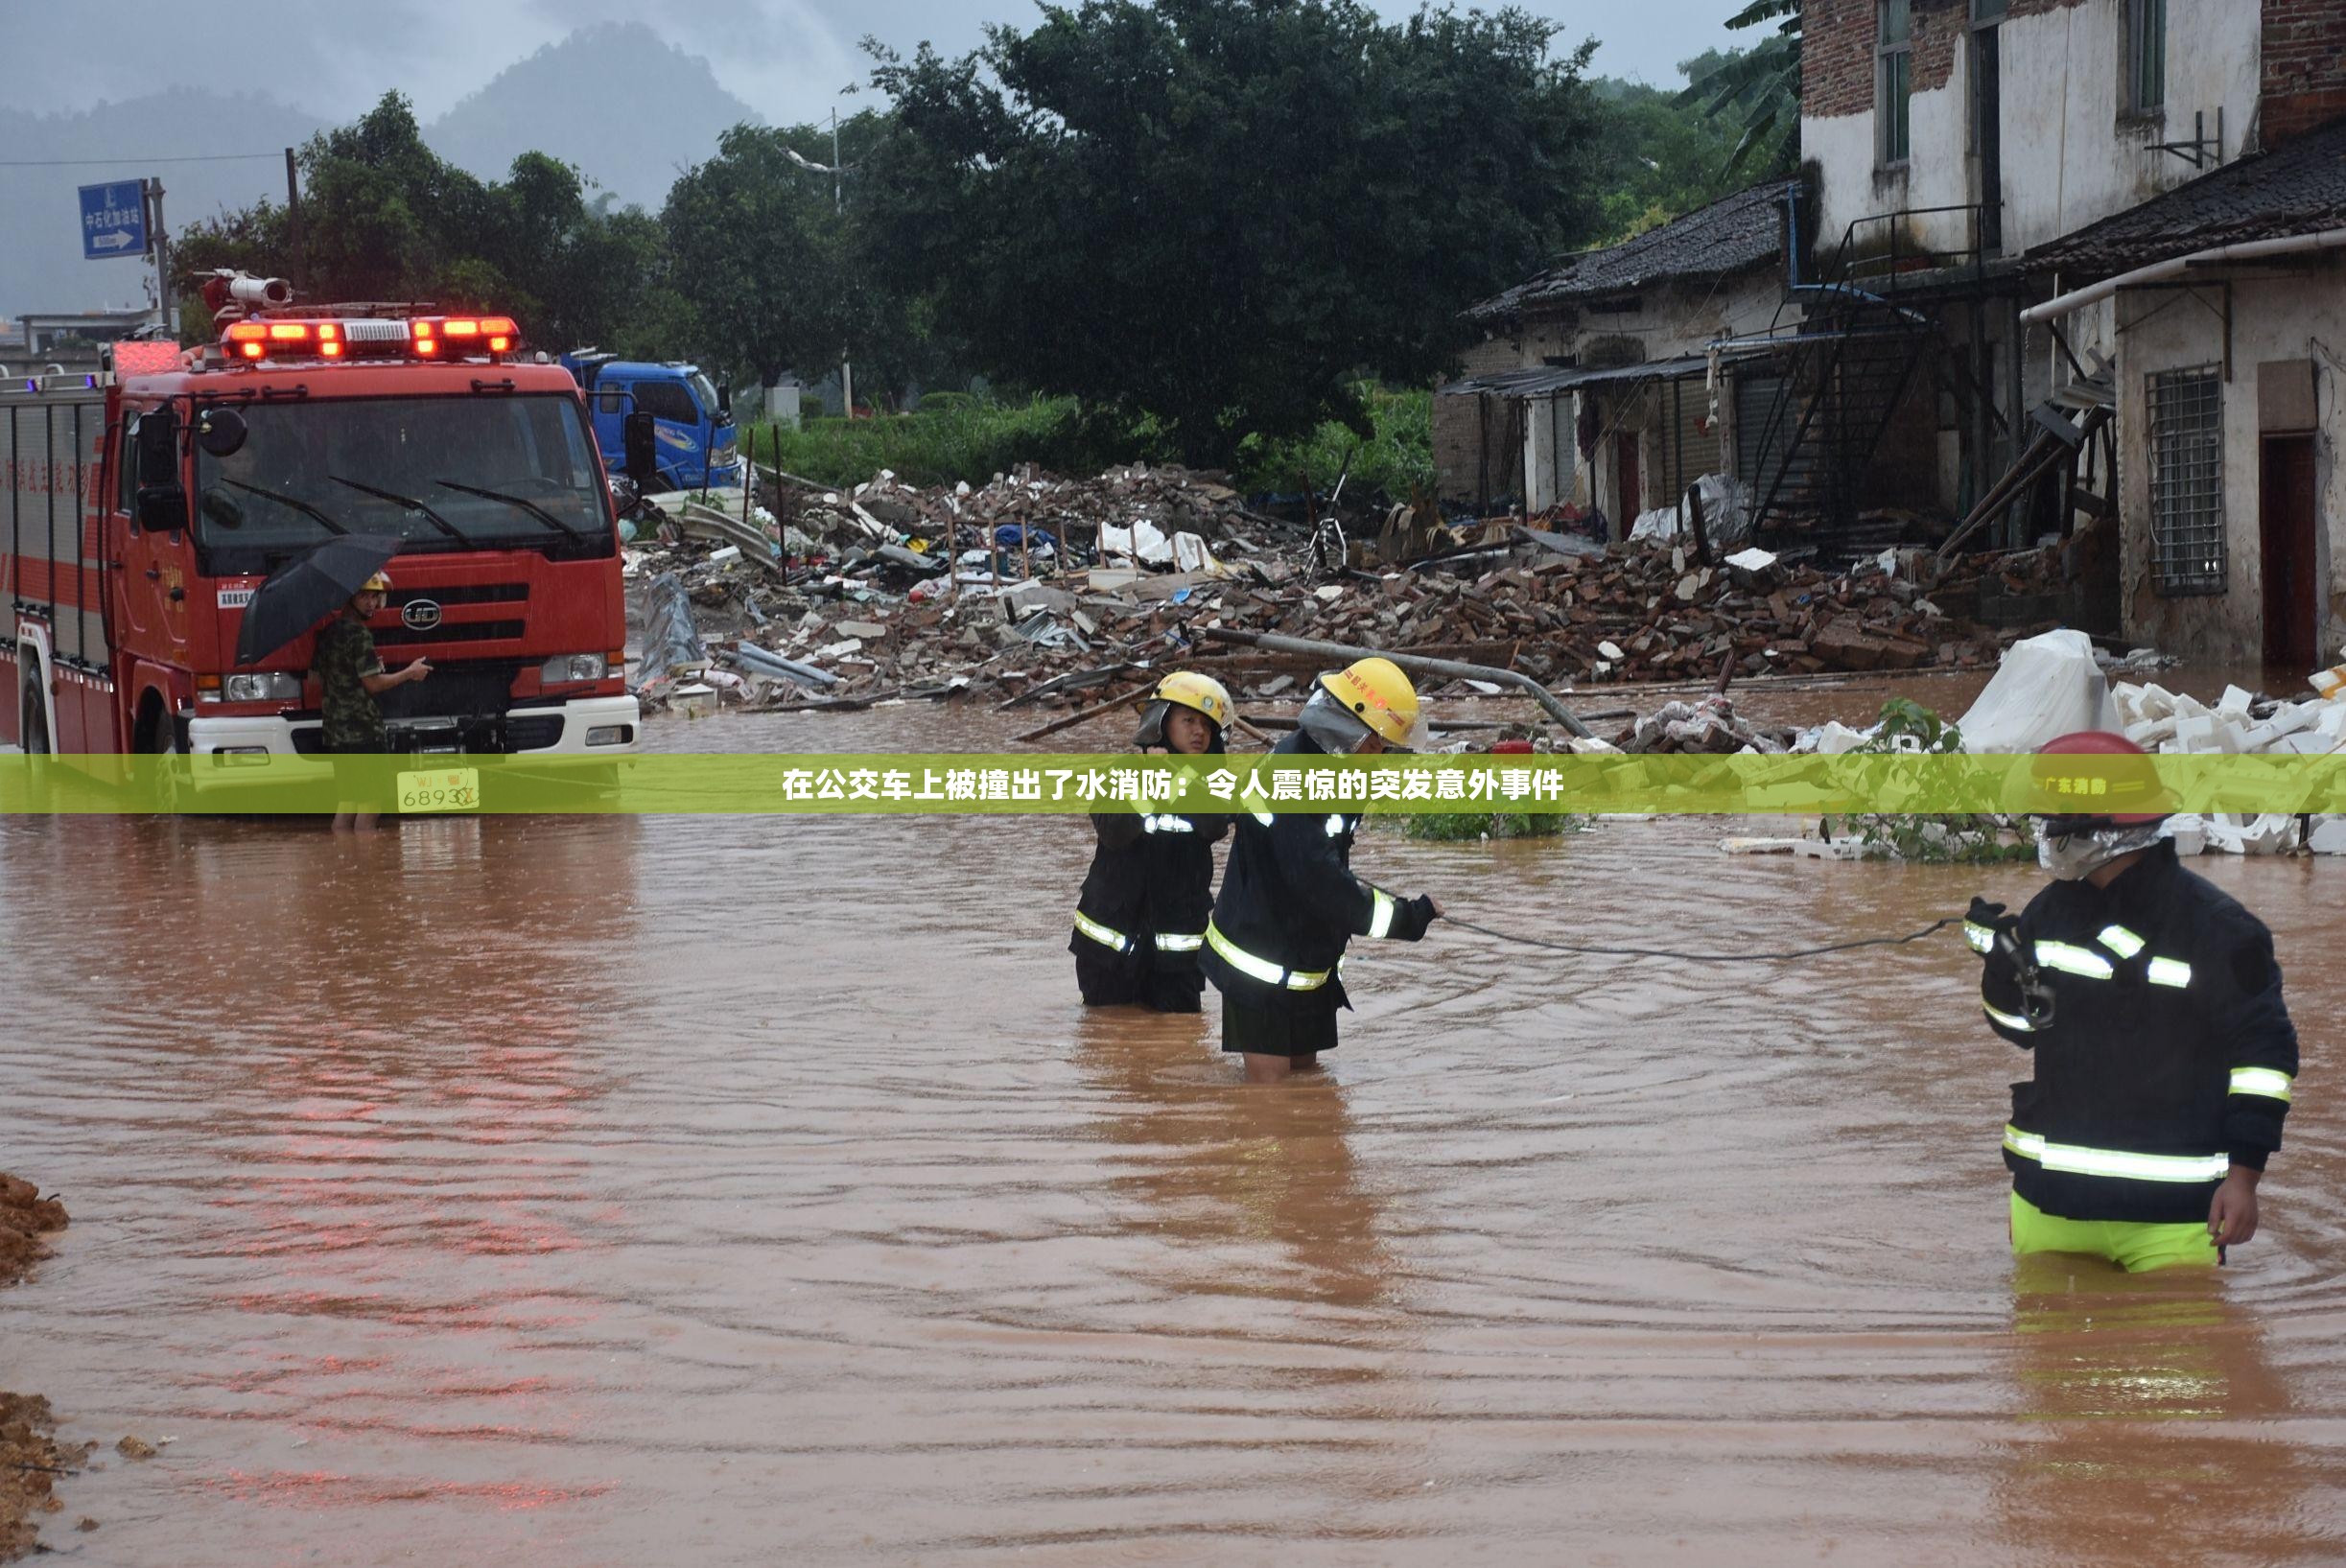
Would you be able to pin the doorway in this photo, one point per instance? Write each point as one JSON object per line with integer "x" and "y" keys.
{"x": 2285, "y": 509}
{"x": 1625, "y": 466}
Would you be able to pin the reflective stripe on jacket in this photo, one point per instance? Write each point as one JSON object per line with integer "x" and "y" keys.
{"x": 1150, "y": 887}
{"x": 1290, "y": 905}
{"x": 2170, "y": 1056}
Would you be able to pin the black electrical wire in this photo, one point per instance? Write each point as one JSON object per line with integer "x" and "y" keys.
{"x": 1703, "y": 957}
{"x": 133, "y": 159}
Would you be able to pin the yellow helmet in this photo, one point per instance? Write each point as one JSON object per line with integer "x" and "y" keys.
{"x": 376, "y": 584}
{"x": 1202, "y": 692}
{"x": 1375, "y": 691}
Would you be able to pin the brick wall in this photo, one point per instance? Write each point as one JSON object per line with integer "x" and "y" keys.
{"x": 1837, "y": 49}
{"x": 2304, "y": 82}
{"x": 1460, "y": 438}
{"x": 1837, "y": 58}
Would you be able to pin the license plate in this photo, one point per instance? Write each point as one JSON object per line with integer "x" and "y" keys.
{"x": 440, "y": 790}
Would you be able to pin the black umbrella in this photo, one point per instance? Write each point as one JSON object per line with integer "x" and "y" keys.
{"x": 303, "y": 591}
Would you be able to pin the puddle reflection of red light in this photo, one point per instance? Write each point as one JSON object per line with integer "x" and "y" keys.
{"x": 313, "y": 1489}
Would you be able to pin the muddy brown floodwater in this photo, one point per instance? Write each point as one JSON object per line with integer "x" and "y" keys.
{"x": 740, "y": 1192}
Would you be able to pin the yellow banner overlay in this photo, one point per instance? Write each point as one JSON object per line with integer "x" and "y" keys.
{"x": 1019, "y": 786}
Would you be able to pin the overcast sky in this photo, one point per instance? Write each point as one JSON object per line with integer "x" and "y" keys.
{"x": 786, "y": 59}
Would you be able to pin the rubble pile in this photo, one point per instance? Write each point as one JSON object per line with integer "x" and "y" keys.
{"x": 1647, "y": 612}
{"x": 1709, "y": 727}
{"x": 1142, "y": 509}
{"x": 1051, "y": 578}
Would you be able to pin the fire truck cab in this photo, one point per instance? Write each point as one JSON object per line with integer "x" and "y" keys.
{"x": 141, "y": 515}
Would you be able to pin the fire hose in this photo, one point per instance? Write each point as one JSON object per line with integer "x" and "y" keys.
{"x": 1702, "y": 957}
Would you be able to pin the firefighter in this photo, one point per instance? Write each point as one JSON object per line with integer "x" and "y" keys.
{"x": 1289, "y": 901}
{"x": 1141, "y": 918}
{"x": 350, "y": 676}
{"x": 2151, "y": 1002}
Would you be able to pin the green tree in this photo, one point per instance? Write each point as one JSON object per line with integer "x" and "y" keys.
{"x": 760, "y": 254}
{"x": 385, "y": 219}
{"x": 1661, "y": 158}
{"x": 1758, "y": 92}
{"x": 770, "y": 253}
{"x": 1222, "y": 213}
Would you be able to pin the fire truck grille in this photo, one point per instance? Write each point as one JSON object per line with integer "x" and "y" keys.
{"x": 401, "y": 638}
{"x": 483, "y": 592}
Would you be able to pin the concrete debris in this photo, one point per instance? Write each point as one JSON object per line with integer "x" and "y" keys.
{"x": 1706, "y": 728}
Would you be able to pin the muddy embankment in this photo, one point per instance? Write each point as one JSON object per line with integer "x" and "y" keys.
{"x": 30, "y": 1457}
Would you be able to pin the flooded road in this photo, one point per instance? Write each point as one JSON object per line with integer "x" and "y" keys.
{"x": 728, "y": 1192}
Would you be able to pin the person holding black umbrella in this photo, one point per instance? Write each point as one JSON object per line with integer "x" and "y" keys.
{"x": 352, "y": 676}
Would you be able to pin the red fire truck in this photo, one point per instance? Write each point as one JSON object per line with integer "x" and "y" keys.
{"x": 129, "y": 543}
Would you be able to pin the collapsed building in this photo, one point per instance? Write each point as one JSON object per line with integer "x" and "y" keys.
{"x": 2053, "y": 271}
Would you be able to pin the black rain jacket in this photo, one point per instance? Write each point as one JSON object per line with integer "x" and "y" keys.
{"x": 1289, "y": 900}
{"x": 2168, "y": 1039}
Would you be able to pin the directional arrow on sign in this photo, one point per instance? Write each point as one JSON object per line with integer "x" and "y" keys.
{"x": 115, "y": 241}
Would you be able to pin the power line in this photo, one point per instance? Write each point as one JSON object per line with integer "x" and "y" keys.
{"x": 77, "y": 163}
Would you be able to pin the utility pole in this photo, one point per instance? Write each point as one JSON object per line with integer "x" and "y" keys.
{"x": 838, "y": 210}
{"x": 293, "y": 216}
{"x": 158, "y": 243}
{"x": 836, "y": 169}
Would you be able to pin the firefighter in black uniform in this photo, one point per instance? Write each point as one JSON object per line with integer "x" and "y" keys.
{"x": 1141, "y": 918}
{"x": 1289, "y": 901}
{"x": 2151, "y": 1002}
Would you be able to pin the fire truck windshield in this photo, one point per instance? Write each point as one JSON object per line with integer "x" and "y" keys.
{"x": 441, "y": 474}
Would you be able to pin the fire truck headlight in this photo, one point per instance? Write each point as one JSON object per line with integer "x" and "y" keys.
{"x": 573, "y": 667}
{"x": 277, "y": 687}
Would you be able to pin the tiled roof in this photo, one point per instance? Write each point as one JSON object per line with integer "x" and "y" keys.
{"x": 2298, "y": 188}
{"x": 1731, "y": 235}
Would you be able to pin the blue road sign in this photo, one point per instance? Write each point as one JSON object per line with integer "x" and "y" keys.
{"x": 113, "y": 220}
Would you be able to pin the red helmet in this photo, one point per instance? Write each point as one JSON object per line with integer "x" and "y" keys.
{"x": 2115, "y": 794}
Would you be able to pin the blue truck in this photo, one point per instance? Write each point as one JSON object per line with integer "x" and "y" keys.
{"x": 692, "y": 417}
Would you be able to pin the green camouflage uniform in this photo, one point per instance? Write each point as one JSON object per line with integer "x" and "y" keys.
{"x": 345, "y": 655}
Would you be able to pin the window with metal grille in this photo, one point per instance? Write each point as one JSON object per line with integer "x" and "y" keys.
{"x": 2187, "y": 481}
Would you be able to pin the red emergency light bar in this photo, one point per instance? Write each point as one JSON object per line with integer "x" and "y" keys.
{"x": 424, "y": 338}
{"x": 495, "y": 333}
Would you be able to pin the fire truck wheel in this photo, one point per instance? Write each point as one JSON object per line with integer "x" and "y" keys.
{"x": 158, "y": 738}
{"x": 36, "y": 732}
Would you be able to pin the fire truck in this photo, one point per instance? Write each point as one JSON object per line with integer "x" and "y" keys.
{"x": 145, "y": 506}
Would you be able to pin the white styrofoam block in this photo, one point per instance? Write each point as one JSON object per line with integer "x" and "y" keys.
{"x": 2305, "y": 743}
{"x": 2234, "y": 700}
{"x": 2155, "y": 701}
{"x": 2291, "y": 718}
{"x": 2187, "y": 706}
{"x": 2329, "y": 837}
{"x": 2126, "y": 699}
{"x": 2149, "y": 732}
{"x": 2196, "y": 734}
{"x": 2272, "y": 835}
{"x": 2189, "y": 832}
